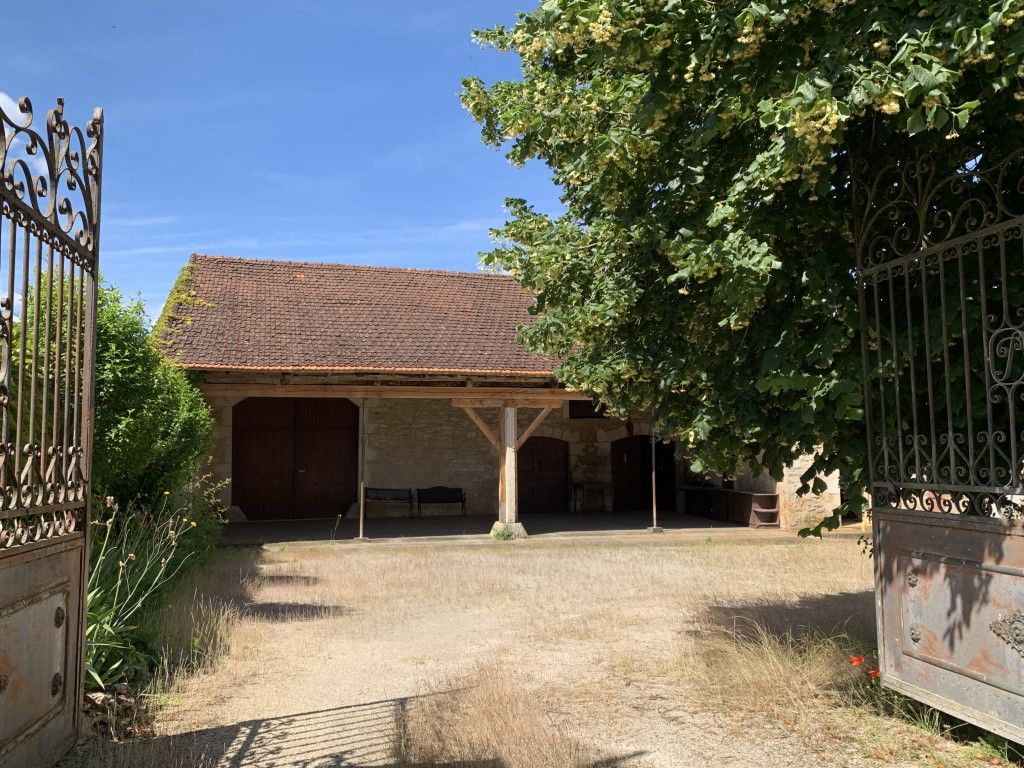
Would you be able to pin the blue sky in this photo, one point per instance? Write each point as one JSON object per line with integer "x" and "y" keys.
{"x": 322, "y": 130}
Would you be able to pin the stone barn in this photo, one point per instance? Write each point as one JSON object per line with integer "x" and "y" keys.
{"x": 406, "y": 389}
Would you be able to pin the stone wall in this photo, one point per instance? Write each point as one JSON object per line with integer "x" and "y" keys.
{"x": 220, "y": 459}
{"x": 419, "y": 443}
{"x": 795, "y": 511}
{"x": 801, "y": 511}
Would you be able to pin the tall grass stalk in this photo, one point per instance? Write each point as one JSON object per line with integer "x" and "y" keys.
{"x": 135, "y": 555}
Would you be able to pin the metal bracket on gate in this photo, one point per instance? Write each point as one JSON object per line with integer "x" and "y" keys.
{"x": 1011, "y": 630}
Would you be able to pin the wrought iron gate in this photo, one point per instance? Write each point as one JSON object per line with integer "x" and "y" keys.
{"x": 940, "y": 273}
{"x": 49, "y": 235}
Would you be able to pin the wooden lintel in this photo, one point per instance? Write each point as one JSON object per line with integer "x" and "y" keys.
{"x": 537, "y": 397}
{"x": 505, "y": 402}
{"x": 475, "y": 418}
{"x": 533, "y": 427}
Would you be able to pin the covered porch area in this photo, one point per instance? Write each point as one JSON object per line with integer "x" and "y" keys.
{"x": 415, "y": 460}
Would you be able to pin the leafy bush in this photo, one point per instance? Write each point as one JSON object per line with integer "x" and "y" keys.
{"x": 152, "y": 425}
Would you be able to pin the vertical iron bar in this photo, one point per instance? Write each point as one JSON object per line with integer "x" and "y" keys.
{"x": 868, "y": 415}
{"x": 897, "y": 390}
{"x": 912, "y": 364}
{"x": 1011, "y": 407}
{"x": 881, "y": 378}
{"x": 46, "y": 366}
{"x": 79, "y": 343}
{"x": 983, "y": 281}
{"x": 6, "y": 481}
{"x": 968, "y": 400}
{"x": 934, "y": 465}
{"x": 58, "y": 383}
{"x": 19, "y": 418}
{"x": 70, "y": 392}
{"x": 31, "y": 445}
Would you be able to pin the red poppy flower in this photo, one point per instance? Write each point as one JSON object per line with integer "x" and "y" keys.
{"x": 856, "y": 661}
{"x": 874, "y": 673}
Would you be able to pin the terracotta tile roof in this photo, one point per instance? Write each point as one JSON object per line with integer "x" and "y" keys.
{"x": 263, "y": 315}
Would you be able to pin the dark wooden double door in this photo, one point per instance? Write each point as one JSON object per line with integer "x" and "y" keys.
{"x": 294, "y": 458}
{"x": 631, "y": 474}
{"x": 543, "y": 472}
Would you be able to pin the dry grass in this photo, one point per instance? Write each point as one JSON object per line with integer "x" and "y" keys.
{"x": 777, "y": 675}
{"x": 146, "y": 753}
{"x": 674, "y": 651}
{"x": 194, "y": 630}
{"x": 484, "y": 720}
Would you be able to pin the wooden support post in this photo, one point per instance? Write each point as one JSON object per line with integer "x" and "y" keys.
{"x": 508, "y": 502}
{"x": 362, "y": 470}
{"x": 655, "y": 528}
{"x": 654, "y": 482}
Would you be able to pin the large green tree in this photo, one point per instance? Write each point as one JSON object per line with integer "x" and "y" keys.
{"x": 702, "y": 266}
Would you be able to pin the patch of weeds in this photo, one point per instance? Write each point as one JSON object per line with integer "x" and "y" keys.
{"x": 501, "y": 533}
{"x": 990, "y": 747}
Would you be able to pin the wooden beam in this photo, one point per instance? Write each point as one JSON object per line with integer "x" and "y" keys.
{"x": 475, "y": 418}
{"x": 495, "y": 395}
{"x": 501, "y": 402}
{"x": 533, "y": 427}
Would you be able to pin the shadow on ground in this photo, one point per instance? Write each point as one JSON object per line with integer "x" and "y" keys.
{"x": 329, "y": 529}
{"x": 844, "y": 613}
{"x": 363, "y": 735}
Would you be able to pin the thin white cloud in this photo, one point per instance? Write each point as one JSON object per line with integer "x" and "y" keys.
{"x": 132, "y": 222}
{"x": 314, "y": 245}
{"x": 36, "y": 163}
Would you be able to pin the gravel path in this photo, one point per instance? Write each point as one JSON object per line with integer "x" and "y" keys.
{"x": 338, "y": 641}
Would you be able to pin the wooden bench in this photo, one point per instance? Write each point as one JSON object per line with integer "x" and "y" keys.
{"x": 390, "y": 496}
{"x": 439, "y": 494}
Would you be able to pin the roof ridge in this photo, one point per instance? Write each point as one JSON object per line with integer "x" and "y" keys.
{"x": 342, "y": 265}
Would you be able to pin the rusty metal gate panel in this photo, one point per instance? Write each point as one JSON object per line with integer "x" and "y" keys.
{"x": 940, "y": 275}
{"x": 49, "y": 234}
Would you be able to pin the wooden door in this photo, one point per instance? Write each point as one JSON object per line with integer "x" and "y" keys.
{"x": 631, "y": 474}
{"x": 326, "y": 455}
{"x": 294, "y": 457}
{"x": 262, "y": 457}
{"x": 543, "y": 469}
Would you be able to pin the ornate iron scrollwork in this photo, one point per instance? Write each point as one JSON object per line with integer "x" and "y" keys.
{"x": 1010, "y": 629}
{"x": 940, "y": 275}
{"x": 52, "y": 175}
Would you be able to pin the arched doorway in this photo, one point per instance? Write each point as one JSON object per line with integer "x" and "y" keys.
{"x": 543, "y": 470}
{"x": 294, "y": 457}
{"x": 631, "y": 474}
